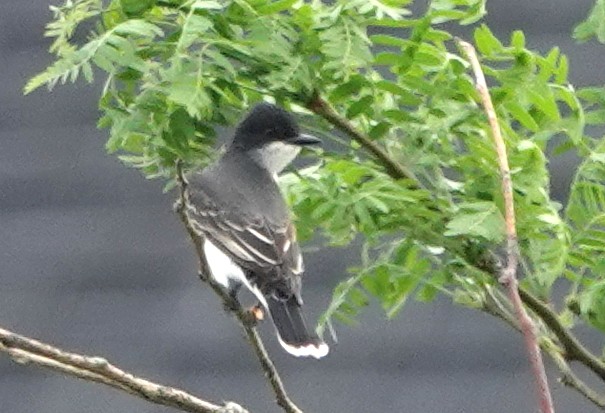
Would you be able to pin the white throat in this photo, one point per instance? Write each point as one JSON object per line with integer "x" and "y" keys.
{"x": 275, "y": 156}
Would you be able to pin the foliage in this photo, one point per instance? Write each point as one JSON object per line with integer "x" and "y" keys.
{"x": 176, "y": 70}
{"x": 594, "y": 26}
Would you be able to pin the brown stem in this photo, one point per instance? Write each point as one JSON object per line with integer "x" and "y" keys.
{"x": 27, "y": 350}
{"x": 492, "y": 305}
{"x": 322, "y": 108}
{"x": 509, "y": 273}
{"x": 574, "y": 350}
{"x": 569, "y": 379}
{"x": 247, "y": 320}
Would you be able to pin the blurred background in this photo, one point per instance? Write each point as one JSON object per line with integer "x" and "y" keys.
{"x": 93, "y": 260}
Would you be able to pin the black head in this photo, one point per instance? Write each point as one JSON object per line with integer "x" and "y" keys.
{"x": 267, "y": 123}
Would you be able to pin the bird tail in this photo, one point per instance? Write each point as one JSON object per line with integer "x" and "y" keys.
{"x": 292, "y": 331}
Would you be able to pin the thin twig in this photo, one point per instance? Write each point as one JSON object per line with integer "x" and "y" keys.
{"x": 509, "y": 273}
{"x": 574, "y": 350}
{"x": 27, "y": 350}
{"x": 569, "y": 379}
{"x": 246, "y": 319}
{"x": 492, "y": 305}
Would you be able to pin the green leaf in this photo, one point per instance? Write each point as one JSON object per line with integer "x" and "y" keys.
{"x": 206, "y": 5}
{"x": 592, "y": 304}
{"x": 338, "y": 307}
{"x": 479, "y": 219}
{"x": 522, "y": 115}
{"x": 346, "y": 47}
{"x": 517, "y": 40}
{"x": 109, "y": 51}
{"x": 136, "y": 7}
{"x": 594, "y": 25}
{"x": 363, "y": 105}
{"x": 278, "y": 6}
{"x": 486, "y": 42}
{"x": 386, "y": 40}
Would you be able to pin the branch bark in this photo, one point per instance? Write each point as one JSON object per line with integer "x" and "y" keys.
{"x": 246, "y": 318}
{"x": 509, "y": 273}
{"x": 26, "y": 350}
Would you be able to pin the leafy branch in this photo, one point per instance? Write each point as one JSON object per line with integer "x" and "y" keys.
{"x": 572, "y": 349}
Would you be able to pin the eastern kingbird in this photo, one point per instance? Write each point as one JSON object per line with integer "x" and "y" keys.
{"x": 249, "y": 238}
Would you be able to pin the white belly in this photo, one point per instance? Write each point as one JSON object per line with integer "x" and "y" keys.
{"x": 223, "y": 269}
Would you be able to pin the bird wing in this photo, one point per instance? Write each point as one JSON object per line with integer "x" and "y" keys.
{"x": 252, "y": 241}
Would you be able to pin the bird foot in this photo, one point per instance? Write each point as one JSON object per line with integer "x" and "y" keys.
{"x": 257, "y": 312}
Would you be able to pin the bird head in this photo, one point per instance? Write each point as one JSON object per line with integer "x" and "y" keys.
{"x": 271, "y": 136}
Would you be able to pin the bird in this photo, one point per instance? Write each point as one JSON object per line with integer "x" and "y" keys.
{"x": 248, "y": 235}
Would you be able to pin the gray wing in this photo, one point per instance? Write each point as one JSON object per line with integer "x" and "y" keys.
{"x": 267, "y": 250}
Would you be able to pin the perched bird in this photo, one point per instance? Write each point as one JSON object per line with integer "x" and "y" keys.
{"x": 249, "y": 238}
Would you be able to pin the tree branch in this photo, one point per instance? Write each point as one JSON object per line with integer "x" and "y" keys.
{"x": 509, "y": 273}
{"x": 246, "y": 318}
{"x": 574, "y": 350}
{"x": 492, "y": 305}
{"x": 569, "y": 379}
{"x": 26, "y": 350}
{"x": 321, "y": 107}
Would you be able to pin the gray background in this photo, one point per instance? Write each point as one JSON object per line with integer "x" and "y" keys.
{"x": 93, "y": 259}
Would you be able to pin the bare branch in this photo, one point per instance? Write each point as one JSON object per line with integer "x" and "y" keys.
{"x": 246, "y": 318}
{"x": 26, "y": 350}
{"x": 509, "y": 273}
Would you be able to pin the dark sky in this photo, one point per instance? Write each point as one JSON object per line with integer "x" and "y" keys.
{"x": 94, "y": 260}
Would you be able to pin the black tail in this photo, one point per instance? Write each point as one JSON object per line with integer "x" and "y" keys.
{"x": 292, "y": 331}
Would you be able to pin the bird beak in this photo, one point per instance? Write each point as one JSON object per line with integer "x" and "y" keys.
{"x": 304, "y": 140}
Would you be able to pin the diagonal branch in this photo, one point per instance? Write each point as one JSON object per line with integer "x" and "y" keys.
{"x": 246, "y": 318}
{"x": 26, "y": 350}
{"x": 509, "y": 272}
{"x": 492, "y": 305}
{"x": 569, "y": 379}
{"x": 574, "y": 350}
{"x": 396, "y": 170}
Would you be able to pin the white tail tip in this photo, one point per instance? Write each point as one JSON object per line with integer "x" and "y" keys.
{"x": 307, "y": 350}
